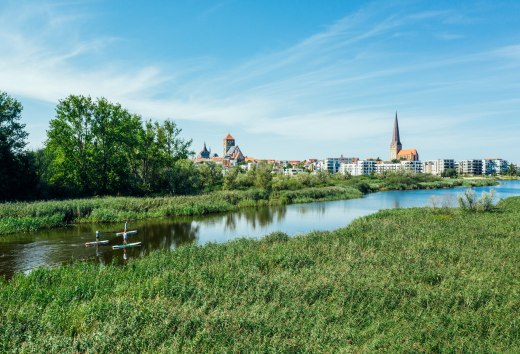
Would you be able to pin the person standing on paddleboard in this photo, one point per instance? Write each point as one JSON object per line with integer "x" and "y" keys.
{"x": 97, "y": 235}
{"x": 125, "y": 235}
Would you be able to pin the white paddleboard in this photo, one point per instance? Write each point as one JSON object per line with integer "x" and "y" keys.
{"x": 133, "y": 232}
{"x": 118, "y": 247}
{"x": 95, "y": 243}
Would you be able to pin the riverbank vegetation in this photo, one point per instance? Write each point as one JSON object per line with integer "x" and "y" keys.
{"x": 33, "y": 216}
{"x": 405, "y": 280}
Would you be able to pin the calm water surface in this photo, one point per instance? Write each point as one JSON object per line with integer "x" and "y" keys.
{"x": 23, "y": 252}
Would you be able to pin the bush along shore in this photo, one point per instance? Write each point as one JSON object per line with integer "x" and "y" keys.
{"x": 404, "y": 280}
{"x": 33, "y": 216}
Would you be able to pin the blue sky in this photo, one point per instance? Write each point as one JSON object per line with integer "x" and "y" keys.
{"x": 288, "y": 79}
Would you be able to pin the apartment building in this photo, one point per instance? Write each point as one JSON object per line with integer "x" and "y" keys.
{"x": 470, "y": 167}
{"x": 437, "y": 167}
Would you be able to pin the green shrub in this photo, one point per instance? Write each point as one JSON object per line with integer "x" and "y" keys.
{"x": 469, "y": 201}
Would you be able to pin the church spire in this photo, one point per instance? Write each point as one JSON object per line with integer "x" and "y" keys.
{"x": 395, "y": 145}
{"x": 395, "y": 137}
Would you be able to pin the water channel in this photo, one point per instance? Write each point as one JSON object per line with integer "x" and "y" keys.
{"x": 24, "y": 252}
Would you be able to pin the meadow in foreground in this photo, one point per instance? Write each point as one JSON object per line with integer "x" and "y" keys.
{"x": 405, "y": 280}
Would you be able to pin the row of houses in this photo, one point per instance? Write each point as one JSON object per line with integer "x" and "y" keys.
{"x": 475, "y": 167}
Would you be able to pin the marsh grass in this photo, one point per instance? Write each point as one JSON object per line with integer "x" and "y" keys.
{"x": 405, "y": 280}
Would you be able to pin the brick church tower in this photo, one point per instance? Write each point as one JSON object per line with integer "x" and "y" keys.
{"x": 229, "y": 141}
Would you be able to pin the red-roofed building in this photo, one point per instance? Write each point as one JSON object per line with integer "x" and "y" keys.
{"x": 408, "y": 155}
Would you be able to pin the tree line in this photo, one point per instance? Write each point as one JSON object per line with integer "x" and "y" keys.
{"x": 93, "y": 147}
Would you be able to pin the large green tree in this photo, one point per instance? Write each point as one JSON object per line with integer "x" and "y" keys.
{"x": 231, "y": 177}
{"x": 211, "y": 176}
{"x": 70, "y": 146}
{"x": 16, "y": 173}
{"x": 185, "y": 178}
{"x": 115, "y": 141}
{"x": 160, "y": 147}
{"x": 511, "y": 170}
{"x": 91, "y": 144}
{"x": 264, "y": 176}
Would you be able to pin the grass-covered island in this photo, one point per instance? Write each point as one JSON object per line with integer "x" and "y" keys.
{"x": 404, "y": 280}
{"x": 33, "y": 216}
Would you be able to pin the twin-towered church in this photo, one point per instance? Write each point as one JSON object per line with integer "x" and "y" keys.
{"x": 231, "y": 154}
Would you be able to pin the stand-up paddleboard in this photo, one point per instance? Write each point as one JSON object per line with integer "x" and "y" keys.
{"x": 133, "y": 232}
{"x": 96, "y": 243}
{"x": 118, "y": 247}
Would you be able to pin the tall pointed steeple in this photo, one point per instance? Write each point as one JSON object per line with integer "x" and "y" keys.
{"x": 395, "y": 145}
{"x": 395, "y": 137}
{"x": 204, "y": 153}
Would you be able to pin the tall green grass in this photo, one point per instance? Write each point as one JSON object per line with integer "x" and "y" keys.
{"x": 409, "y": 280}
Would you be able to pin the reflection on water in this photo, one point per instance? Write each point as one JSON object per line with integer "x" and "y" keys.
{"x": 53, "y": 247}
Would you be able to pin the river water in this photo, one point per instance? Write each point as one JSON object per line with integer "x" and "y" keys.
{"x": 24, "y": 252}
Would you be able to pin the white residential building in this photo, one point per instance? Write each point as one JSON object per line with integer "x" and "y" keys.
{"x": 409, "y": 166}
{"x": 292, "y": 171}
{"x": 492, "y": 167}
{"x": 470, "y": 167}
{"x": 387, "y": 167}
{"x": 412, "y": 166}
{"x": 359, "y": 168}
{"x": 437, "y": 167}
{"x": 366, "y": 167}
{"x": 332, "y": 164}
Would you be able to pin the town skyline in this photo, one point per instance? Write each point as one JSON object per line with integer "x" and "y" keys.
{"x": 290, "y": 81}
{"x": 395, "y": 148}
{"x": 403, "y": 160}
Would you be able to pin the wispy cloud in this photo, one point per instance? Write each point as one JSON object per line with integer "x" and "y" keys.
{"x": 213, "y": 9}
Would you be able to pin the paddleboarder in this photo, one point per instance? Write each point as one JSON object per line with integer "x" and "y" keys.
{"x": 125, "y": 235}
{"x": 97, "y": 235}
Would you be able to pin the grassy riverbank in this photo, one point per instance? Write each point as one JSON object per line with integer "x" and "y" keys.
{"x": 417, "y": 280}
{"x": 27, "y": 217}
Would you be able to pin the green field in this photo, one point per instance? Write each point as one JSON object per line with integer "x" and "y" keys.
{"x": 405, "y": 280}
{"x": 33, "y": 216}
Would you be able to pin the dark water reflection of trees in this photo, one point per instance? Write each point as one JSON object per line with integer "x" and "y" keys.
{"x": 261, "y": 217}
